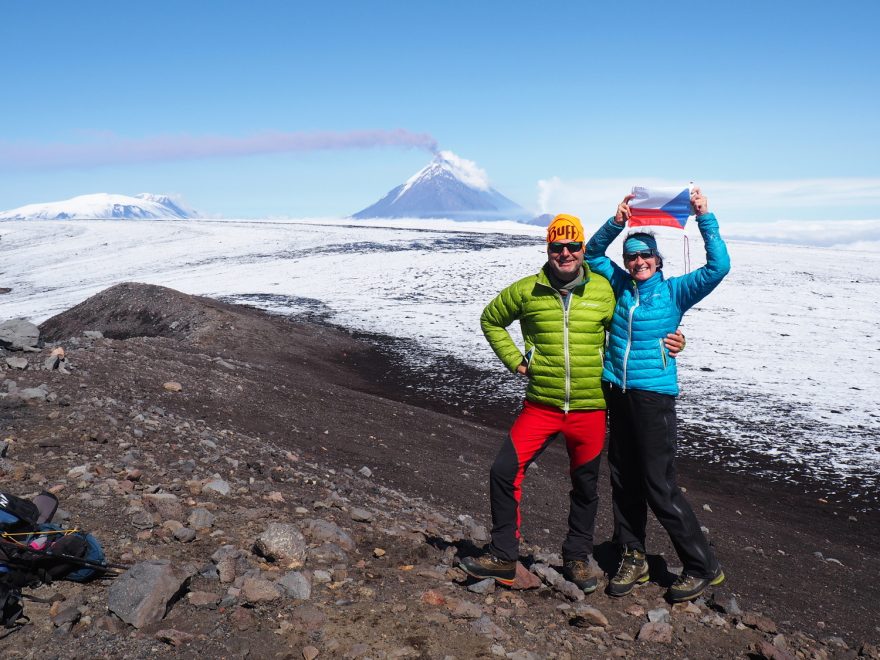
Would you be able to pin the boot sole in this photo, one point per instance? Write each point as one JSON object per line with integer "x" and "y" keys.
{"x": 507, "y": 582}
{"x": 642, "y": 580}
{"x": 713, "y": 583}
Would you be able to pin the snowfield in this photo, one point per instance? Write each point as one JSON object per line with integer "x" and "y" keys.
{"x": 782, "y": 362}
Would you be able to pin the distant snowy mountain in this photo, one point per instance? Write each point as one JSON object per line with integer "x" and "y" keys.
{"x": 542, "y": 220}
{"x": 448, "y": 187}
{"x": 105, "y": 206}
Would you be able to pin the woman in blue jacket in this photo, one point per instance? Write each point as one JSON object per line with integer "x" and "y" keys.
{"x": 641, "y": 384}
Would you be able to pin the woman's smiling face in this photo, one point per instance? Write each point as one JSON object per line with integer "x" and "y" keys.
{"x": 641, "y": 265}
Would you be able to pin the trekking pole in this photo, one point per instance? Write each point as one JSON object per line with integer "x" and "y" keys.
{"x": 85, "y": 563}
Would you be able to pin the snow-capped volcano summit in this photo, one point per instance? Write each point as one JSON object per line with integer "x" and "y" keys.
{"x": 105, "y": 206}
{"x": 448, "y": 187}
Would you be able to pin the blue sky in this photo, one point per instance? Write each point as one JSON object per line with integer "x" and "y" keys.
{"x": 562, "y": 104}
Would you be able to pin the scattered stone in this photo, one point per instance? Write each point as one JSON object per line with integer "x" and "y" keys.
{"x": 659, "y": 615}
{"x": 308, "y": 618}
{"x": 758, "y": 621}
{"x": 93, "y": 334}
{"x": 19, "y": 334}
{"x": 259, "y": 590}
{"x": 201, "y": 519}
{"x": 473, "y": 530}
{"x": 66, "y": 613}
{"x": 365, "y": 471}
{"x": 559, "y": 583}
{"x": 174, "y": 637}
{"x": 140, "y": 519}
{"x": 463, "y": 609}
{"x": 321, "y": 577}
{"x": 587, "y": 616}
{"x": 485, "y": 626}
{"x": 659, "y": 632}
{"x": 203, "y": 599}
{"x": 165, "y": 504}
{"x": 714, "y": 619}
{"x": 328, "y": 553}
{"x": 330, "y": 532}
{"x": 768, "y": 651}
{"x": 17, "y": 363}
{"x": 869, "y": 651}
{"x": 309, "y": 653}
{"x": 226, "y": 559}
{"x": 378, "y": 552}
{"x": 688, "y": 608}
{"x": 173, "y": 386}
{"x": 184, "y": 534}
{"x": 109, "y": 623}
{"x": 522, "y": 654}
{"x": 525, "y": 579}
{"x": 361, "y": 515}
{"x": 296, "y": 585}
{"x": 218, "y": 486}
{"x": 33, "y": 393}
{"x": 483, "y": 587}
{"x": 635, "y": 610}
{"x": 143, "y": 594}
{"x": 282, "y": 542}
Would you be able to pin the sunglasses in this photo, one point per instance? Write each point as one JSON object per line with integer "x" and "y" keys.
{"x": 557, "y": 248}
{"x": 647, "y": 254}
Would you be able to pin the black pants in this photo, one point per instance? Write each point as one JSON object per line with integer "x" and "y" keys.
{"x": 641, "y": 458}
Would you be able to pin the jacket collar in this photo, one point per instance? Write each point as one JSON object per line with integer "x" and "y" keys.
{"x": 651, "y": 283}
{"x": 545, "y": 281}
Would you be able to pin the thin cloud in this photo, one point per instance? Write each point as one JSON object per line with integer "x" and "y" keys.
{"x": 114, "y": 150}
{"x": 748, "y": 200}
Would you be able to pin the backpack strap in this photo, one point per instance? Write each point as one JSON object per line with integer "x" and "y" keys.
{"x": 25, "y": 510}
{"x": 11, "y": 609}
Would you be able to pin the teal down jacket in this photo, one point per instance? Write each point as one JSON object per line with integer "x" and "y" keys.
{"x": 636, "y": 357}
{"x": 564, "y": 343}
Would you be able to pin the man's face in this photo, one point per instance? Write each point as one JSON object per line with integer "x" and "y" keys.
{"x": 565, "y": 259}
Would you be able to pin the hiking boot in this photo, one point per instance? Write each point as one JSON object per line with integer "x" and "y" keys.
{"x": 581, "y": 573}
{"x": 633, "y": 570}
{"x": 489, "y": 566}
{"x": 687, "y": 587}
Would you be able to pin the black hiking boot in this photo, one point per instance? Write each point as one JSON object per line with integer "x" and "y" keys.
{"x": 489, "y": 566}
{"x": 633, "y": 570}
{"x": 581, "y": 573}
{"x": 687, "y": 587}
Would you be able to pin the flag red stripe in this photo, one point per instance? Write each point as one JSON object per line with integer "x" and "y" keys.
{"x": 645, "y": 217}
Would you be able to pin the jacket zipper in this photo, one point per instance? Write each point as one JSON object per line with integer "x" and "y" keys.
{"x": 629, "y": 335}
{"x": 565, "y": 352}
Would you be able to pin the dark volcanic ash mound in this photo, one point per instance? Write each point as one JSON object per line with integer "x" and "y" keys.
{"x": 137, "y": 310}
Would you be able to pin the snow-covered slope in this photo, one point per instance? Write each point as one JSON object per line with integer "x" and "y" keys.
{"x": 448, "y": 187}
{"x": 105, "y": 206}
{"x": 781, "y": 369}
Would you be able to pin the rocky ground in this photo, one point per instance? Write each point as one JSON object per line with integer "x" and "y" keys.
{"x": 278, "y": 494}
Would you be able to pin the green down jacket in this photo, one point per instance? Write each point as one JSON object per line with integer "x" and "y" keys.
{"x": 564, "y": 344}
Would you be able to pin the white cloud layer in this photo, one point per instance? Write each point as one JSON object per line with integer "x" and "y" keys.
{"x": 748, "y": 200}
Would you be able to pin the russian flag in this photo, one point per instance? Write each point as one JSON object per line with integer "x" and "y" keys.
{"x": 667, "y": 207}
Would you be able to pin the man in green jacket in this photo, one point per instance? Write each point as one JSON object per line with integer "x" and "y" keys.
{"x": 563, "y": 312}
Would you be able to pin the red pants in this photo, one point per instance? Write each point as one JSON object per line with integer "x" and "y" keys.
{"x": 531, "y": 433}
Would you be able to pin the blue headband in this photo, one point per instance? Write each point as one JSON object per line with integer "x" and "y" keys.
{"x": 639, "y": 243}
